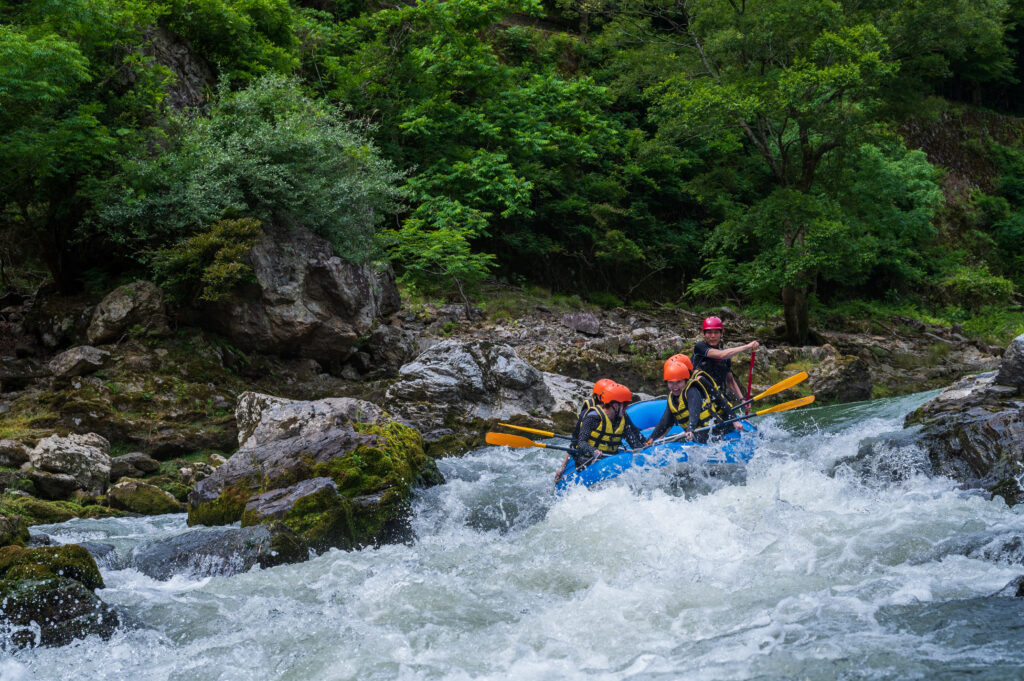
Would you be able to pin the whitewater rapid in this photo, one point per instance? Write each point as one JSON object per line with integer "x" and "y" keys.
{"x": 799, "y": 569}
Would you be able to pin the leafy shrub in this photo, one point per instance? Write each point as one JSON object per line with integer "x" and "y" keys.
{"x": 604, "y": 299}
{"x": 209, "y": 264}
{"x": 974, "y": 287}
{"x": 267, "y": 152}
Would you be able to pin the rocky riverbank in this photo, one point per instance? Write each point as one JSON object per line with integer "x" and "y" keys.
{"x": 309, "y": 406}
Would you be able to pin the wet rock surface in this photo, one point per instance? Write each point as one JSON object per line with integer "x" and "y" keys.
{"x": 47, "y": 596}
{"x": 208, "y": 552}
{"x": 973, "y": 431}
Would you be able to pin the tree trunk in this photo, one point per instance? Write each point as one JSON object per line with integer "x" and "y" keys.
{"x": 61, "y": 221}
{"x": 795, "y": 310}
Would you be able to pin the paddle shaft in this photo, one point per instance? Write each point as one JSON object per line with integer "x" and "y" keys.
{"x": 785, "y": 406}
{"x": 777, "y": 388}
{"x": 536, "y": 431}
{"x": 750, "y": 378}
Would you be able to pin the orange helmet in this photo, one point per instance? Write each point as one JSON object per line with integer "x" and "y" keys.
{"x": 676, "y": 371}
{"x": 602, "y": 385}
{"x": 616, "y": 393}
{"x": 682, "y": 359}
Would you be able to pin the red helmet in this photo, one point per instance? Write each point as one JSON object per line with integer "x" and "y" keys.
{"x": 713, "y": 323}
{"x": 676, "y": 371}
{"x": 682, "y": 359}
{"x": 616, "y": 393}
{"x": 602, "y": 385}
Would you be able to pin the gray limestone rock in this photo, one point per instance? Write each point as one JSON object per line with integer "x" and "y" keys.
{"x": 1011, "y": 369}
{"x": 78, "y": 361}
{"x": 138, "y": 304}
{"x": 83, "y": 457}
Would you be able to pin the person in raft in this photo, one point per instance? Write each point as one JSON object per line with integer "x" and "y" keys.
{"x": 677, "y": 375}
{"x": 591, "y": 402}
{"x": 604, "y": 427}
{"x": 715, "y": 361}
{"x": 712, "y": 389}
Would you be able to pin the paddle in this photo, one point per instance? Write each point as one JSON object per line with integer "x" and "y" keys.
{"x": 785, "y": 406}
{"x": 777, "y": 388}
{"x": 508, "y": 440}
{"x": 535, "y": 431}
{"x": 520, "y": 441}
{"x": 750, "y": 378}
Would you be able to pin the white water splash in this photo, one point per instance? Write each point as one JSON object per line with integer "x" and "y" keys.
{"x": 788, "y": 573}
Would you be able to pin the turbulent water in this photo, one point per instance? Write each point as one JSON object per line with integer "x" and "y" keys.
{"x": 798, "y": 569}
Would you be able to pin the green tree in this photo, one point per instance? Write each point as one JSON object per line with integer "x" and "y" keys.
{"x": 76, "y": 91}
{"x": 799, "y": 85}
{"x": 553, "y": 184}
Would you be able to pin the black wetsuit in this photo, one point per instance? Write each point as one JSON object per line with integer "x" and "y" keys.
{"x": 718, "y": 369}
{"x": 587, "y": 453}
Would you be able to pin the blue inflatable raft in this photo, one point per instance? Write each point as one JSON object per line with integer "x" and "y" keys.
{"x": 733, "y": 448}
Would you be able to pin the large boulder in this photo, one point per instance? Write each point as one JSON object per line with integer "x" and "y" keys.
{"x": 78, "y": 361}
{"x": 974, "y": 430}
{"x": 306, "y": 301}
{"x": 138, "y": 305}
{"x": 142, "y": 498}
{"x": 53, "y": 486}
{"x": 1011, "y": 369}
{"x": 454, "y": 391}
{"x": 390, "y": 347}
{"x": 841, "y": 378}
{"x": 220, "y": 551}
{"x": 47, "y": 596}
{"x": 84, "y": 457}
{"x": 466, "y": 383}
{"x": 12, "y": 453}
{"x": 336, "y": 472}
{"x": 132, "y": 465}
{"x": 264, "y": 418}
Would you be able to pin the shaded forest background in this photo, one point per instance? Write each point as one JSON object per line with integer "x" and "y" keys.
{"x": 807, "y": 157}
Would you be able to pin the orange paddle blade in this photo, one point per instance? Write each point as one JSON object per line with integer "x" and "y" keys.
{"x": 507, "y": 440}
{"x": 786, "y": 406}
{"x": 782, "y": 385}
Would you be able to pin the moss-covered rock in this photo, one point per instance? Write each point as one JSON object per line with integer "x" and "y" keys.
{"x": 46, "y": 595}
{"x": 13, "y": 530}
{"x": 333, "y": 485}
{"x": 39, "y": 512}
{"x": 44, "y": 562}
{"x": 141, "y": 497}
{"x": 164, "y": 397}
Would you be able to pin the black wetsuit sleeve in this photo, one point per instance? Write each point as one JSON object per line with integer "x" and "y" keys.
{"x": 633, "y": 435}
{"x": 700, "y": 354}
{"x": 589, "y": 424}
{"x": 667, "y": 419}
{"x": 694, "y": 400}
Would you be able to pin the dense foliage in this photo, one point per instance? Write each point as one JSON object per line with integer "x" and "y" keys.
{"x": 715, "y": 149}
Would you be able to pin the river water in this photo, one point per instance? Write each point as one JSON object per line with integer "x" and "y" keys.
{"x": 797, "y": 570}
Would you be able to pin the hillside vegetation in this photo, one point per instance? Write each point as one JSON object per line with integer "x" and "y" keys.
{"x": 805, "y": 156}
